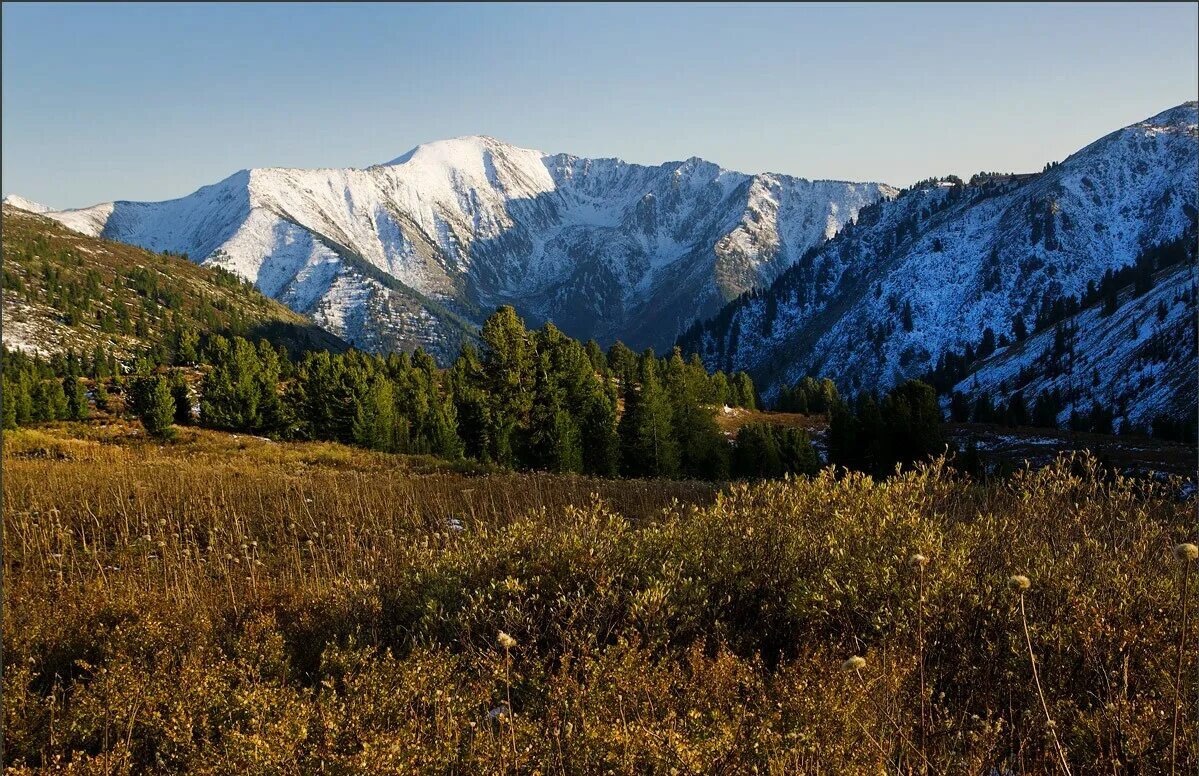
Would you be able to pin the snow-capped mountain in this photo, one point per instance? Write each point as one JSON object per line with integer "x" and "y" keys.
{"x": 419, "y": 250}
{"x": 26, "y": 204}
{"x": 928, "y": 273}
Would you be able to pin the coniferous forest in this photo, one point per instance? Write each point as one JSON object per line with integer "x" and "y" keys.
{"x": 525, "y": 400}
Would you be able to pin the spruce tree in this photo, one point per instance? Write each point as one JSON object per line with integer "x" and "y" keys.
{"x": 742, "y": 389}
{"x": 77, "y": 408}
{"x": 756, "y": 452}
{"x": 648, "y": 446}
{"x": 181, "y": 395}
{"x": 101, "y": 394}
{"x": 8, "y": 402}
{"x": 508, "y": 362}
{"x": 157, "y": 409}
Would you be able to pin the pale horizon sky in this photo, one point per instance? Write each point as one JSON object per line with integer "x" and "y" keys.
{"x": 150, "y": 102}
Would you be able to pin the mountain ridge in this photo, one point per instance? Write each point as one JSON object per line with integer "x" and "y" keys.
{"x": 927, "y": 273}
{"x": 602, "y": 247}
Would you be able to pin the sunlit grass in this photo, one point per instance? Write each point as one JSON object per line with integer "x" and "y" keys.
{"x": 232, "y": 605}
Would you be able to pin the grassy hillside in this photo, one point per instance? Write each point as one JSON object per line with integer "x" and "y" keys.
{"x": 65, "y": 290}
{"x": 225, "y": 604}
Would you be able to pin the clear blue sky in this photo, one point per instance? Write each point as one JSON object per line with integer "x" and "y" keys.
{"x": 153, "y": 101}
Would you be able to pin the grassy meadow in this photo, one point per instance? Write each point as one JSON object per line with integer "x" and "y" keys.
{"x": 226, "y": 604}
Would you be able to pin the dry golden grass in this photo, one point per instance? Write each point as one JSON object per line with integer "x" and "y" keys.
{"x": 231, "y": 605}
{"x": 731, "y": 422}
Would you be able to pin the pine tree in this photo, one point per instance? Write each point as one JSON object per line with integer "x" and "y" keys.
{"x": 374, "y": 424}
{"x": 101, "y": 394}
{"x": 181, "y": 395}
{"x": 49, "y": 401}
{"x": 622, "y": 362}
{"x": 756, "y": 453}
{"x": 241, "y": 390}
{"x": 719, "y": 390}
{"x": 596, "y": 356}
{"x": 157, "y": 408}
{"x": 8, "y": 402}
{"x": 442, "y": 431}
{"x": 465, "y": 381}
{"x": 561, "y": 369}
{"x": 648, "y": 446}
{"x": 796, "y": 452}
{"x": 187, "y": 345}
{"x": 1019, "y": 328}
{"x": 77, "y": 408}
{"x": 703, "y": 452}
{"x": 742, "y": 389}
{"x": 601, "y": 443}
{"x": 508, "y": 362}
{"x": 99, "y": 364}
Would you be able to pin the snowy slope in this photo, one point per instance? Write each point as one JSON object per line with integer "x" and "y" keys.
{"x": 964, "y": 258}
{"x": 25, "y": 204}
{"x": 418, "y": 250}
{"x": 1144, "y": 354}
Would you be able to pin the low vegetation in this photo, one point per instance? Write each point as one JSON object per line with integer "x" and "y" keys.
{"x": 222, "y": 603}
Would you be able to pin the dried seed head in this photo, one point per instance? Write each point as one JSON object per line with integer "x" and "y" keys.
{"x": 1186, "y": 551}
{"x": 855, "y": 663}
{"x": 1019, "y": 582}
{"x": 505, "y": 641}
{"x": 917, "y": 560}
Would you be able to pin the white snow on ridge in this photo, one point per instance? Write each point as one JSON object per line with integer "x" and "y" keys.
{"x": 25, "y": 204}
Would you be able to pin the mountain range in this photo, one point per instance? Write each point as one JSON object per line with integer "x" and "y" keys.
{"x": 417, "y": 251}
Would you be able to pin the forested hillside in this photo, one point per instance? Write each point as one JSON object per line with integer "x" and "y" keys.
{"x": 1076, "y": 282}
{"x": 63, "y": 291}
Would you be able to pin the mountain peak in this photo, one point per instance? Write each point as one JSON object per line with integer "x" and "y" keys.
{"x": 455, "y": 149}
{"x": 17, "y": 201}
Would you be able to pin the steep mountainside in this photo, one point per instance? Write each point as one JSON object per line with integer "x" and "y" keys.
{"x": 927, "y": 274}
{"x": 418, "y": 250}
{"x": 65, "y": 290}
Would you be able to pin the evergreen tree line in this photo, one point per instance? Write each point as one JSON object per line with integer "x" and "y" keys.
{"x": 875, "y": 435}
{"x": 522, "y": 399}
{"x": 809, "y": 396}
